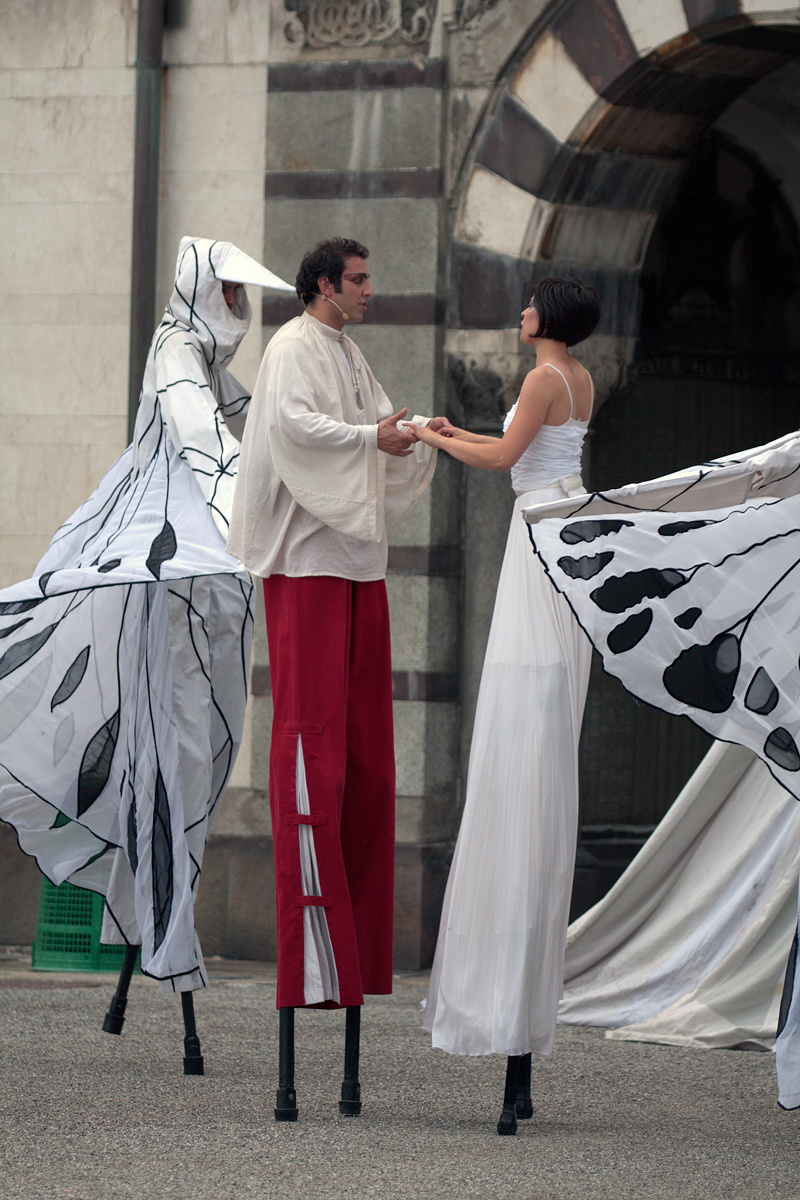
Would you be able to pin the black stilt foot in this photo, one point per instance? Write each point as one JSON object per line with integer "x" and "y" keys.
{"x": 286, "y": 1102}
{"x": 524, "y": 1107}
{"x": 115, "y": 1017}
{"x": 350, "y": 1103}
{"x": 192, "y": 1058}
{"x": 507, "y": 1125}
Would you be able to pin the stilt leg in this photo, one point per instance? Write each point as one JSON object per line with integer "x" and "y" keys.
{"x": 350, "y": 1103}
{"x": 508, "y": 1118}
{"x": 115, "y": 1017}
{"x": 192, "y": 1058}
{"x": 524, "y": 1107}
{"x": 286, "y": 1104}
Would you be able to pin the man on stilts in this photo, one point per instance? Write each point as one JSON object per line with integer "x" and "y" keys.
{"x": 324, "y": 465}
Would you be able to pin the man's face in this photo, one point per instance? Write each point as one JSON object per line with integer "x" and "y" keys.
{"x": 229, "y": 291}
{"x": 355, "y": 289}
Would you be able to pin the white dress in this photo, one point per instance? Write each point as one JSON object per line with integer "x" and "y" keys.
{"x": 497, "y": 973}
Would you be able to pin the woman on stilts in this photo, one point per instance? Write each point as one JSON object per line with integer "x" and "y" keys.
{"x": 497, "y": 972}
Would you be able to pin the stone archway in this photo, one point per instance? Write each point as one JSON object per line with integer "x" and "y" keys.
{"x": 591, "y": 132}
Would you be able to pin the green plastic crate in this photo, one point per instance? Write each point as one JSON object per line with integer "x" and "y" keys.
{"x": 68, "y": 932}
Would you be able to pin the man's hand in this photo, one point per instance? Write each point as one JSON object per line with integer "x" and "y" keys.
{"x": 441, "y": 425}
{"x": 393, "y": 440}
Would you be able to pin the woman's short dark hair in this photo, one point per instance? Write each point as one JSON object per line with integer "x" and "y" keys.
{"x": 326, "y": 259}
{"x": 568, "y": 309}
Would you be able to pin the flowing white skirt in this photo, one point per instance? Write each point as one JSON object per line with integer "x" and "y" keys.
{"x": 497, "y": 973}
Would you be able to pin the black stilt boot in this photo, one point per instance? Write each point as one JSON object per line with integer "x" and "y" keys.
{"x": 524, "y": 1108}
{"x": 286, "y": 1103}
{"x": 350, "y": 1103}
{"x": 507, "y": 1125}
{"x": 115, "y": 1017}
{"x": 192, "y": 1058}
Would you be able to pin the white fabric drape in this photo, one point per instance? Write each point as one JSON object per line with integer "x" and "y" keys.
{"x": 687, "y": 587}
{"x": 690, "y": 945}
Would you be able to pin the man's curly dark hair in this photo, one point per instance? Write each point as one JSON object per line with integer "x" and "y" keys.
{"x": 326, "y": 259}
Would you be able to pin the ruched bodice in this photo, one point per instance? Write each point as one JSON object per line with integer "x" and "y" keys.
{"x": 554, "y": 454}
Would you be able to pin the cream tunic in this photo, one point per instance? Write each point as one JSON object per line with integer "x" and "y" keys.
{"x": 313, "y": 492}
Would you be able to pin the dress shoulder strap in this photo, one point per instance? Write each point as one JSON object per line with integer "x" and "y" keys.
{"x": 569, "y": 389}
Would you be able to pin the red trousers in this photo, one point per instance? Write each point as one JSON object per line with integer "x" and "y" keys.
{"x": 330, "y": 666}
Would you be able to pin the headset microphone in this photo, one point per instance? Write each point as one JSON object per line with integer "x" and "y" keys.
{"x": 345, "y": 317}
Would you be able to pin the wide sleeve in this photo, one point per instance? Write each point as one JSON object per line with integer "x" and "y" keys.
{"x": 187, "y": 394}
{"x": 332, "y": 468}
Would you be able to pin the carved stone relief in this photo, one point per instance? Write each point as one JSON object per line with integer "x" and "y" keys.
{"x": 355, "y": 23}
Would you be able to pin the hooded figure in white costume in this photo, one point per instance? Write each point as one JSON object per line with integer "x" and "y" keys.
{"x": 124, "y": 660}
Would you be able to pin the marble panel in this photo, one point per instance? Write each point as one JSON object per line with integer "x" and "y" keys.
{"x": 212, "y": 130}
{"x": 7, "y": 82}
{"x": 84, "y": 81}
{"x": 410, "y": 743}
{"x": 71, "y": 187}
{"x": 206, "y": 187}
{"x": 36, "y": 308}
{"x": 67, "y": 134}
{"x": 495, "y": 213}
{"x": 68, "y": 33}
{"x": 41, "y": 485}
{"x": 413, "y": 528}
{"x": 244, "y": 812}
{"x": 424, "y": 617}
{"x": 403, "y": 359}
{"x": 25, "y": 430}
{"x": 220, "y": 31}
{"x": 652, "y": 23}
{"x": 354, "y": 131}
{"x": 551, "y": 86}
{"x": 53, "y": 246}
{"x": 57, "y": 370}
{"x": 402, "y": 235}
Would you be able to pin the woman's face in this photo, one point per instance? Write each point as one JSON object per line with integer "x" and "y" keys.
{"x": 529, "y": 325}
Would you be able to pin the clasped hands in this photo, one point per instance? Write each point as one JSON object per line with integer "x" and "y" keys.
{"x": 400, "y": 441}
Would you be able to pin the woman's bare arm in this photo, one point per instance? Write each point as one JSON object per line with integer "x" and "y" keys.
{"x": 499, "y": 454}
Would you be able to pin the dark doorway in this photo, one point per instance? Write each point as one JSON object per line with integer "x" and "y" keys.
{"x": 718, "y": 370}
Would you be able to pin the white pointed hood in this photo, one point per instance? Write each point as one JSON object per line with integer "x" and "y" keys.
{"x": 197, "y": 302}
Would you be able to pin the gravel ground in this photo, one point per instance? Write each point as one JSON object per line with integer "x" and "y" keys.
{"x": 86, "y": 1116}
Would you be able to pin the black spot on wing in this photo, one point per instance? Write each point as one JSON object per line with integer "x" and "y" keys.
{"x": 132, "y": 834}
{"x": 781, "y": 748}
{"x": 44, "y": 580}
{"x": 10, "y": 608}
{"x": 626, "y": 591}
{"x": 162, "y": 864}
{"x": 704, "y": 676}
{"x": 22, "y": 651}
{"x": 13, "y": 628}
{"x": 109, "y": 566}
{"x": 762, "y": 695}
{"x": 690, "y": 617}
{"x": 61, "y": 820}
{"x": 630, "y": 632}
{"x": 587, "y": 567}
{"x": 74, "y": 674}
{"x": 96, "y": 763}
{"x": 675, "y": 527}
{"x": 587, "y": 531}
{"x": 162, "y": 549}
